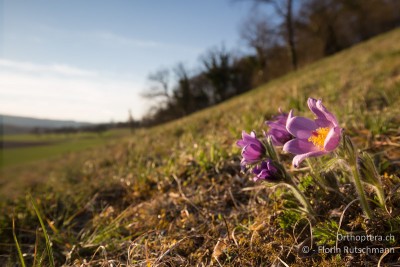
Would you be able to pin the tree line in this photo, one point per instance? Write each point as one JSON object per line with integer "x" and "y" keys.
{"x": 301, "y": 32}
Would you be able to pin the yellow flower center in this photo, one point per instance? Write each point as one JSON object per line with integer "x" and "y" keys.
{"x": 318, "y": 137}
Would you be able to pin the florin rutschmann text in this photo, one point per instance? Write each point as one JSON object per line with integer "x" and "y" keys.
{"x": 354, "y": 250}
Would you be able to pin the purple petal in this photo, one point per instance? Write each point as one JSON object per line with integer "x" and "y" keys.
{"x": 265, "y": 171}
{"x": 312, "y": 105}
{"x": 300, "y": 127}
{"x": 279, "y": 135}
{"x": 241, "y": 143}
{"x": 277, "y": 130}
{"x": 257, "y": 146}
{"x": 332, "y": 139}
{"x": 324, "y": 117}
{"x": 299, "y": 158}
{"x": 244, "y": 162}
{"x": 271, "y": 167}
{"x": 323, "y": 123}
{"x": 299, "y": 146}
{"x": 252, "y": 150}
{"x": 280, "y": 138}
{"x": 264, "y": 164}
{"x": 277, "y": 125}
{"x": 329, "y": 116}
{"x": 248, "y": 137}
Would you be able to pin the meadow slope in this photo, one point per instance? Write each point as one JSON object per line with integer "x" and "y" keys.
{"x": 173, "y": 195}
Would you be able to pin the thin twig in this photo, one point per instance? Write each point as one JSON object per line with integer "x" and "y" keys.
{"x": 227, "y": 228}
{"x": 233, "y": 199}
{"x": 173, "y": 247}
{"x": 341, "y": 219}
{"x": 233, "y": 237}
{"x": 184, "y": 196}
{"x": 384, "y": 255}
{"x": 284, "y": 263}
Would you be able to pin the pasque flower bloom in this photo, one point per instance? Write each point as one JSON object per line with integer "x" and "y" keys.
{"x": 277, "y": 129}
{"x": 252, "y": 148}
{"x": 312, "y": 137}
{"x": 265, "y": 171}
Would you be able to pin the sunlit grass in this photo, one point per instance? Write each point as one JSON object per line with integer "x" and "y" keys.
{"x": 173, "y": 194}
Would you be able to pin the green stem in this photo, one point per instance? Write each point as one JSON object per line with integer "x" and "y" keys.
{"x": 301, "y": 198}
{"x": 360, "y": 191}
{"x": 352, "y": 154}
{"x": 289, "y": 183}
{"x": 317, "y": 177}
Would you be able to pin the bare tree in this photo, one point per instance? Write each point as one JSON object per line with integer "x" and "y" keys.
{"x": 320, "y": 26}
{"x": 182, "y": 92}
{"x": 284, "y": 9}
{"x": 218, "y": 70}
{"x": 159, "y": 85}
{"x": 259, "y": 35}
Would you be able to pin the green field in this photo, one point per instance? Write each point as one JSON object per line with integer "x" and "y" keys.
{"x": 47, "y": 146}
{"x": 173, "y": 195}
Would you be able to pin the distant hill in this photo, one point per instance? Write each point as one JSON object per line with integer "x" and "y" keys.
{"x": 15, "y": 124}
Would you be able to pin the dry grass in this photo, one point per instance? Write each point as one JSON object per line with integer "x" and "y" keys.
{"x": 173, "y": 195}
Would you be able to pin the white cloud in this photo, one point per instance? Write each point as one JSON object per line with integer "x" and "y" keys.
{"x": 60, "y": 69}
{"x": 126, "y": 41}
{"x": 28, "y": 89}
{"x": 115, "y": 39}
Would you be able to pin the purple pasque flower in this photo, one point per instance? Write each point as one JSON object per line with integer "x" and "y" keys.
{"x": 313, "y": 138}
{"x": 265, "y": 171}
{"x": 252, "y": 148}
{"x": 277, "y": 129}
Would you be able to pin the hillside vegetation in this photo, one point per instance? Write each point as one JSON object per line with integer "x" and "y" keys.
{"x": 173, "y": 195}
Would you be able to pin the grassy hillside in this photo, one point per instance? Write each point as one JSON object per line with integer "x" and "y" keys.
{"x": 173, "y": 195}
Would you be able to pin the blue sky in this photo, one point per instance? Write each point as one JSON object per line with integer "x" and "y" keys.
{"x": 89, "y": 60}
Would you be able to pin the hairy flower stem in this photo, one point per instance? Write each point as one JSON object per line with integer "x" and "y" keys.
{"x": 290, "y": 183}
{"x": 369, "y": 174}
{"x": 317, "y": 178}
{"x": 360, "y": 191}
{"x": 352, "y": 154}
{"x": 301, "y": 198}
